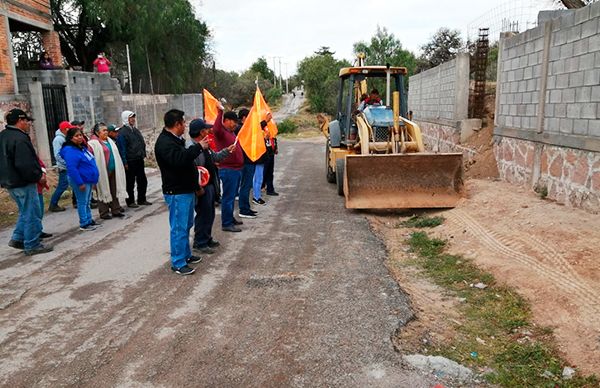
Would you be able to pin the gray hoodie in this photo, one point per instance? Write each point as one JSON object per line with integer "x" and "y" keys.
{"x": 57, "y": 143}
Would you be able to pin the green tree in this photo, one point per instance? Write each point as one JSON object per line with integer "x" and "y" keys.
{"x": 320, "y": 75}
{"x": 324, "y": 50}
{"x": 163, "y": 33}
{"x": 261, "y": 68}
{"x": 385, "y": 48}
{"x": 443, "y": 46}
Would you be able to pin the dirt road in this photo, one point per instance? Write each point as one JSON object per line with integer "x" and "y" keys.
{"x": 299, "y": 298}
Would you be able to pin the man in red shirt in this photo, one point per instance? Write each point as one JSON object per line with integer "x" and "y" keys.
{"x": 102, "y": 64}
{"x": 230, "y": 169}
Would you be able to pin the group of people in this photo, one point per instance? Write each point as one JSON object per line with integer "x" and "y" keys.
{"x": 191, "y": 197}
{"x": 108, "y": 165}
{"x": 211, "y": 168}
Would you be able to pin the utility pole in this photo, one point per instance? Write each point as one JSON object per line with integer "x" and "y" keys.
{"x": 280, "y": 86}
{"x": 287, "y": 89}
{"x": 274, "y": 72}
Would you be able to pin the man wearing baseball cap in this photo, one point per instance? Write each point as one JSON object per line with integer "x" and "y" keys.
{"x": 20, "y": 172}
{"x": 63, "y": 181}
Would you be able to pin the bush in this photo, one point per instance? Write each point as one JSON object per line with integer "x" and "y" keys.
{"x": 273, "y": 95}
{"x": 287, "y": 126}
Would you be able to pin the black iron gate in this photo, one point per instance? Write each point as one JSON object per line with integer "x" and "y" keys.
{"x": 55, "y": 107}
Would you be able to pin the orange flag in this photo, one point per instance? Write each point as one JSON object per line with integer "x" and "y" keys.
{"x": 271, "y": 126}
{"x": 251, "y": 136}
{"x": 210, "y": 106}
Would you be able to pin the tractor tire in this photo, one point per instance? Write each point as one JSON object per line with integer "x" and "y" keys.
{"x": 340, "y": 165}
{"x": 330, "y": 172}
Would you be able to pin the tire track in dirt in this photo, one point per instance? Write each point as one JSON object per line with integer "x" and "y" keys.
{"x": 588, "y": 298}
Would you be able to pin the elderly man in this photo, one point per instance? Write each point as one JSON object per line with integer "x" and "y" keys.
{"x": 20, "y": 172}
{"x": 132, "y": 146}
{"x": 180, "y": 187}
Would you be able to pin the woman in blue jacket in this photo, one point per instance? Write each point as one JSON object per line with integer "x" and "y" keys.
{"x": 83, "y": 175}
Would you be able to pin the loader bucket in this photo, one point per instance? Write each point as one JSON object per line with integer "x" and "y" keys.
{"x": 399, "y": 181}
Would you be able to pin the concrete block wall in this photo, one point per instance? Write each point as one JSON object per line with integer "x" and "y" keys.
{"x": 548, "y": 100}
{"x": 96, "y": 97}
{"x": 441, "y": 92}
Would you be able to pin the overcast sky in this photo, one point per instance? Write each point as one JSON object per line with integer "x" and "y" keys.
{"x": 243, "y": 31}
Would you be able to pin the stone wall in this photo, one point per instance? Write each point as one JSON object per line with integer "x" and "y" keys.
{"x": 439, "y": 137}
{"x": 567, "y": 175}
{"x": 548, "y": 99}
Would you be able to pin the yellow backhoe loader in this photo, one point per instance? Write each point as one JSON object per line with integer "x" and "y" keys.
{"x": 375, "y": 153}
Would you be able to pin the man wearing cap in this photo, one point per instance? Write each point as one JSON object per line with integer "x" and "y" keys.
{"x": 180, "y": 186}
{"x": 20, "y": 172}
{"x": 205, "y": 204}
{"x": 230, "y": 169}
{"x": 63, "y": 181}
{"x": 132, "y": 147}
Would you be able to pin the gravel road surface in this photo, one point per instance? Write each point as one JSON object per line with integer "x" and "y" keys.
{"x": 300, "y": 298}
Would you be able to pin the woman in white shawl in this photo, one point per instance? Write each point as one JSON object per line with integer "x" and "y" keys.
{"x": 111, "y": 185}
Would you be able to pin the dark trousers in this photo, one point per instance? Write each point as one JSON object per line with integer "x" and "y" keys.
{"x": 245, "y": 186}
{"x": 205, "y": 217}
{"x": 135, "y": 173}
{"x": 114, "y": 207}
{"x": 268, "y": 173}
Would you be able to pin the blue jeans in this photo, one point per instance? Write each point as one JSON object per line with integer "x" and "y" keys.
{"x": 41, "y": 199}
{"x": 230, "y": 179}
{"x": 83, "y": 203}
{"x": 205, "y": 217}
{"x": 181, "y": 219}
{"x": 29, "y": 223}
{"x": 258, "y": 180}
{"x": 63, "y": 184}
{"x": 245, "y": 186}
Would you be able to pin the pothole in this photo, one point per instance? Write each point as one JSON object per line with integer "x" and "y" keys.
{"x": 280, "y": 280}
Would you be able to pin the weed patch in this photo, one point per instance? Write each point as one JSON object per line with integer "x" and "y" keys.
{"x": 496, "y": 332}
{"x": 423, "y": 222}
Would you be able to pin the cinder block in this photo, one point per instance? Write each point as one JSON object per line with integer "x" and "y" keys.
{"x": 580, "y": 127}
{"x": 581, "y": 46}
{"x": 559, "y": 38}
{"x": 532, "y": 85}
{"x": 566, "y": 51}
{"x": 594, "y": 43}
{"x": 589, "y": 111}
{"x": 560, "y": 110}
{"x": 551, "y": 82}
{"x": 524, "y": 60}
{"x": 574, "y": 33}
{"x": 527, "y": 97}
{"x": 519, "y": 74}
{"x": 568, "y": 96}
{"x": 555, "y": 96}
{"x": 516, "y": 122}
{"x": 582, "y": 15}
{"x": 594, "y": 125}
{"x": 539, "y": 44}
{"x": 549, "y": 110}
{"x": 562, "y": 81}
{"x": 583, "y": 94}
{"x": 592, "y": 77}
{"x": 573, "y": 111}
{"x": 522, "y": 86}
{"x": 531, "y": 109}
{"x": 595, "y": 94}
{"x": 557, "y": 67}
{"x": 576, "y": 79}
{"x": 566, "y": 126}
{"x": 586, "y": 62}
{"x": 552, "y": 125}
{"x": 594, "y": 10}
{"x": 589, "y": 28}
{"x": 555, "y": 51}
{"x": 537, "y": 71}
{"x": 571, "y": 64}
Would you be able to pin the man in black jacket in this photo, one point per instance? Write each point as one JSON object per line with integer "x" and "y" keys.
{"x": 20, "y": 172}
{"x": 132, "y": 147}
{"x": 205, "y": 204}
{"x": 180, "y": 187}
